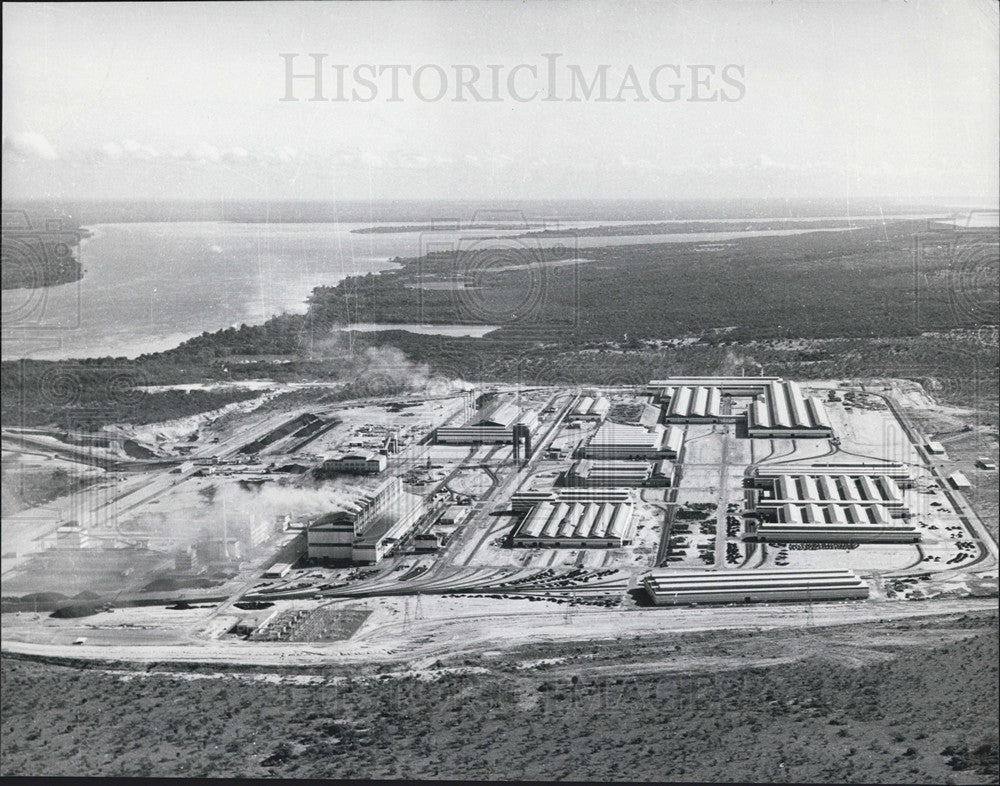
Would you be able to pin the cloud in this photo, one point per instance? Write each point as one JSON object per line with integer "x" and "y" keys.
{"x": 29, "y": 145}
{"x": 139, "y": 151}
{"x": 236, "y": 154}
{"x": 201, "y": 153}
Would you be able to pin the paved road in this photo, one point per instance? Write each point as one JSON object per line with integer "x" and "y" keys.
{"x": 722, "y": 502}
{"x": 966, "y": 513}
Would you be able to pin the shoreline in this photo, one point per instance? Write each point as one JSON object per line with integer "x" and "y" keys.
{"x": 386, "y": 264}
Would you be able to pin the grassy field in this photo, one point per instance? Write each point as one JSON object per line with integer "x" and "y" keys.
{"x": 905, "y": 702}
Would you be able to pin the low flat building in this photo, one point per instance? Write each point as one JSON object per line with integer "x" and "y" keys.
{"x": 591, "y": 472}
{"x": 833, "y": 533}
{"x": 896, "y": 470}
{"x": 278, "y": 570}
{"x": 454, "y": 514}
{"x": 617, "y": 473}
{"x": 958, "y": 480}
{"x": 365, "y": 463}
{"x": 735, "y": 386}
{"x": 675, "y": 588}
{"x": 934, "y": 447}
{"x": 426, "y": 542}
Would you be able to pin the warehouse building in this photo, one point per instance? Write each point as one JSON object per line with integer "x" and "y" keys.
{"x": 666, "y": 588}
{"x": 620, "y": 441}
{"x": 363, "y": 534}
{"x": 564, "y": 524}
{"x": 833, "y": 533}
{"x": 590, "y": 408}
{"x": 593, "y": 472}
{"x": 785, "y": 412}
{"x": 356, "y": 463}
{"x": 688, "y": 404}
{"x": 958, "y": 480}
{"x": 494, "y": 426}
{"x": 278, "y": 570}
{"x": 776, "y": 408}
{"x": 777, "y": 490}
{"x": 832, "y": 523}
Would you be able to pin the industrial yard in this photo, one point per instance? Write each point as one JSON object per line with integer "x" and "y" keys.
{"x": 349, "y": 523}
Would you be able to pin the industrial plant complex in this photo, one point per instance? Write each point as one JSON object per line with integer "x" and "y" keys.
{"x": 687, "y": 491}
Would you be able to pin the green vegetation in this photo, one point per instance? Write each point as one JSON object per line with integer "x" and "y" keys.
{"x": 89, "y": 394}
{"x": 858, "y": 283}
{"x": 817, "y": 305}
{"x": 852, "y": 705}
{"x": 39, "y": 249}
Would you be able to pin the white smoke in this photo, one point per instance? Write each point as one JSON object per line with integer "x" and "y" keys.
{"x": 383, "y": 369}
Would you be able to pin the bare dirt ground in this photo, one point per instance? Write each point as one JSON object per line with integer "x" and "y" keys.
{"x": 411, "y": 630}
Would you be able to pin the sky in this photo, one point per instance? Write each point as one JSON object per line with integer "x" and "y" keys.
{"x": 822, "y": 99}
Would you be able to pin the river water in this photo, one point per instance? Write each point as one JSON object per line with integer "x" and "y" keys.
{"x": 148, "y": 286}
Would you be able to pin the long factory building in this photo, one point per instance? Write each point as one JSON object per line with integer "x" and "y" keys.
{"x": 522, "y": 501}
{"x": 811, "y": 523}
{"x": 776, "y": 409}
{"x": 364, "y": 533}
{"x": 563, "y": 524}
{"x": 839, "y": 508}
{"x": 667, "y": 588}
{"x": 620, "y": 441}
{"x": 734, "y": 386}
{"x": 848, "y": 489}
{"x": 898, "y": 471}
{"x": 494, "y": 426}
